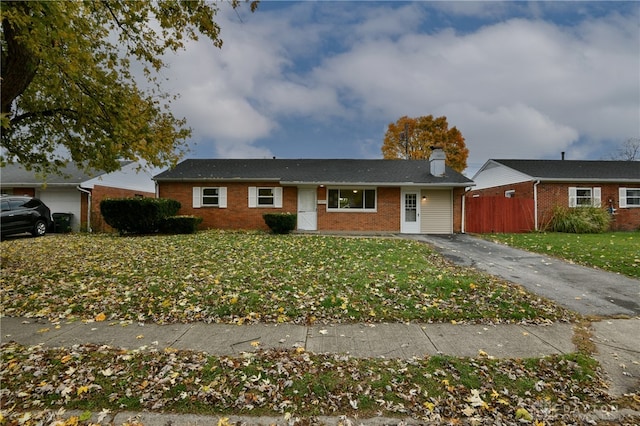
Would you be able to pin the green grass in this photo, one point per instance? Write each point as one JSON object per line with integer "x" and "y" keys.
{"x": 252, "y": 277}
{"x": 613, "y": 251}
{"x": 240, "y": 277}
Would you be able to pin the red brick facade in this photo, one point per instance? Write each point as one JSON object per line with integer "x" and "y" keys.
{"x": 237, "y": 214}
{"x": 29, "y": 192}
{"x": 99, "y": 193}
{"x": 552, "y": 194}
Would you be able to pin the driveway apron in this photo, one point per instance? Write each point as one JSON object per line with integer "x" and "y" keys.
{"x": 585, "y": 290}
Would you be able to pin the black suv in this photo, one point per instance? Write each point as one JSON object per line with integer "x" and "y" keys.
{"x": 24, "y": 214}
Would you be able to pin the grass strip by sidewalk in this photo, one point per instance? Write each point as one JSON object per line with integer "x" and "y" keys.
{"x": 253, "y": 277}
{"x": 294, "y": 382}
{"x": 611, "y": 251}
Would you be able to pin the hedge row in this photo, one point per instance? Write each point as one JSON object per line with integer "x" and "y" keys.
{"x": 280, "y": 223}
{"x": 146, "y": 216}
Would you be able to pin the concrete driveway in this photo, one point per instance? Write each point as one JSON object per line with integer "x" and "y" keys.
{"x": 587, "y": 291}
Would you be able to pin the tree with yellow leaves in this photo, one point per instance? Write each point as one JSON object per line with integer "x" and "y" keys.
{"x": 68, "y": 85}
{"x": 413, "y": 139}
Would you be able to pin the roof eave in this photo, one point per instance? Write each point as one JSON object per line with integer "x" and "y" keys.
{"x": 585, "y": 180}
{"x": 205, "y": 179}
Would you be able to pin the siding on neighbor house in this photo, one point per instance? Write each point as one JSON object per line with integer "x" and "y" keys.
{"x": 551, "y": 195}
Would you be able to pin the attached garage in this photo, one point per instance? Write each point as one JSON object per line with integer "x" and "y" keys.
{"x": 62, "y": 200}
{"x": 437, "y": 211}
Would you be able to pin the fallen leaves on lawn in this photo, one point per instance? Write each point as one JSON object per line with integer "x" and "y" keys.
{"x": 253, "y": 277}
{"x": 289, "y": 382}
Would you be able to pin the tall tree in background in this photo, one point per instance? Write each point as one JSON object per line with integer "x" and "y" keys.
{"x": 629, "y": 151}
{"x": 412, "y": 139}
{"x": 67, "y": 81}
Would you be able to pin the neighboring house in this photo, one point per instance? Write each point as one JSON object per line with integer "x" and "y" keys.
{"x": 78, "y": 192}
{"x": 409, "y": 196}
{"x": 568, "y": 183}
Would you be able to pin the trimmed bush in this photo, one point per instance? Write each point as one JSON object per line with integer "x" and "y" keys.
{"x": 580, "y": 220}
{"x": 137, "y": 215}
{"x": 180, "y": 224}
{"x": 280, "y": 223}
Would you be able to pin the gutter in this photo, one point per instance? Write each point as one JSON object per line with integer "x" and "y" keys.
{"x": 79, "y": 188}
{"x": 535, "y": 204}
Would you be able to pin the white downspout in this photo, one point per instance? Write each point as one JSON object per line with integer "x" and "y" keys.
{"x": 88, "y": 206}
{"x": 535, "y": 204}
{"x": 463, "y": 214}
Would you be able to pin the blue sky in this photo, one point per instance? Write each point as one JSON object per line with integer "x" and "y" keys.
{"x": 324, "y": 79}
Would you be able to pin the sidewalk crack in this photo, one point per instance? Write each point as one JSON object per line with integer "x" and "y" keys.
{"x": 181, "y": 336}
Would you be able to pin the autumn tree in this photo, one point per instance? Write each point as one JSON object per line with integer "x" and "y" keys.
{"x": 413, "y": 139}
{"x": 68, "y": 85}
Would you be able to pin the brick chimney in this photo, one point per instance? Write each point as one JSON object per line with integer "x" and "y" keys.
{"x": 436, "y": 161}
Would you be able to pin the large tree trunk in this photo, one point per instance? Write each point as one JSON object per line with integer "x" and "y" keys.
{"x": 19, "y": 64}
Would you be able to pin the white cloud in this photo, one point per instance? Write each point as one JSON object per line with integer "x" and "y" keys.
{"x": 537, "y": 84}
{"x": 510, "y": 131}
{"x": 522, "y": 88}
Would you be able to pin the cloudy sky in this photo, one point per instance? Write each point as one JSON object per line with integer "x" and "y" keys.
{"x": 324, "y": 79}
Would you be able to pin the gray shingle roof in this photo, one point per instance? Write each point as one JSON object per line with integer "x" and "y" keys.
{"x": 576, "y": 170}
{"x": 317, "y": 171}
{"x": 69, "y": 175}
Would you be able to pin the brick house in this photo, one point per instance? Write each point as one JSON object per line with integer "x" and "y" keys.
{"x": 614, "y": 185}
{"x": 77, "y": 192}
{"x": 409, "y": 196}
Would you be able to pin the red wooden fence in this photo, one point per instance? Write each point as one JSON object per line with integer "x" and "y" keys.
{"x": 498, "y": 214}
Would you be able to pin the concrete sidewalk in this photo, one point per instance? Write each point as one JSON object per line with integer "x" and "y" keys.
{"x": 359, "y": 340}
{"x": 618, "y": 348}
{"x": 617, "y": 342}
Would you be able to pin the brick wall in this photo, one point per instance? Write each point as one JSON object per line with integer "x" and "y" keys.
{"x": 98, "y": 194}
{"x": 237, "y": 214}
{"x": 385, "y": 219}
{"x": 29, "y": 192}
{"x": 551, "y": 195}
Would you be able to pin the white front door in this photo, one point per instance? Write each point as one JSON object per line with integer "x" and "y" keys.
{"x": 307, "y": 209}
{"x": 410, "y": 214}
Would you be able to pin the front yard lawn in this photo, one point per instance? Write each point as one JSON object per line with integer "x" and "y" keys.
{"x": 237, "y": 277}
{"x": 612, "y": 251}
{"x": 242, "y": 277}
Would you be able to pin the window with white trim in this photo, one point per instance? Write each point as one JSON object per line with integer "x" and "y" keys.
{"x": 584, "y": 197}
{"x": 265, "y": 196}
{"x": 209, "y": 197}
{"x": 510, "y": 193}
{"x": 351, "y": 199}
{"x": 629, "y": 197}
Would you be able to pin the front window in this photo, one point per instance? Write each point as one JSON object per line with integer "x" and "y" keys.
{"x": 584, "y": 197}
{"x": 633, "y": 197}
{"x": 265, "y": 197}
{"x": 210, "y": 196}
{"x": 352, "y": 198}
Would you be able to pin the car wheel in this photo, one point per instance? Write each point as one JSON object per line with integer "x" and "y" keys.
{"x": 39, "y": 229}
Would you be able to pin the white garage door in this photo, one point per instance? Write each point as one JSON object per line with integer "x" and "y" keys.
{"x": 62, "y": 201}
{"x": 437, "y": 212}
